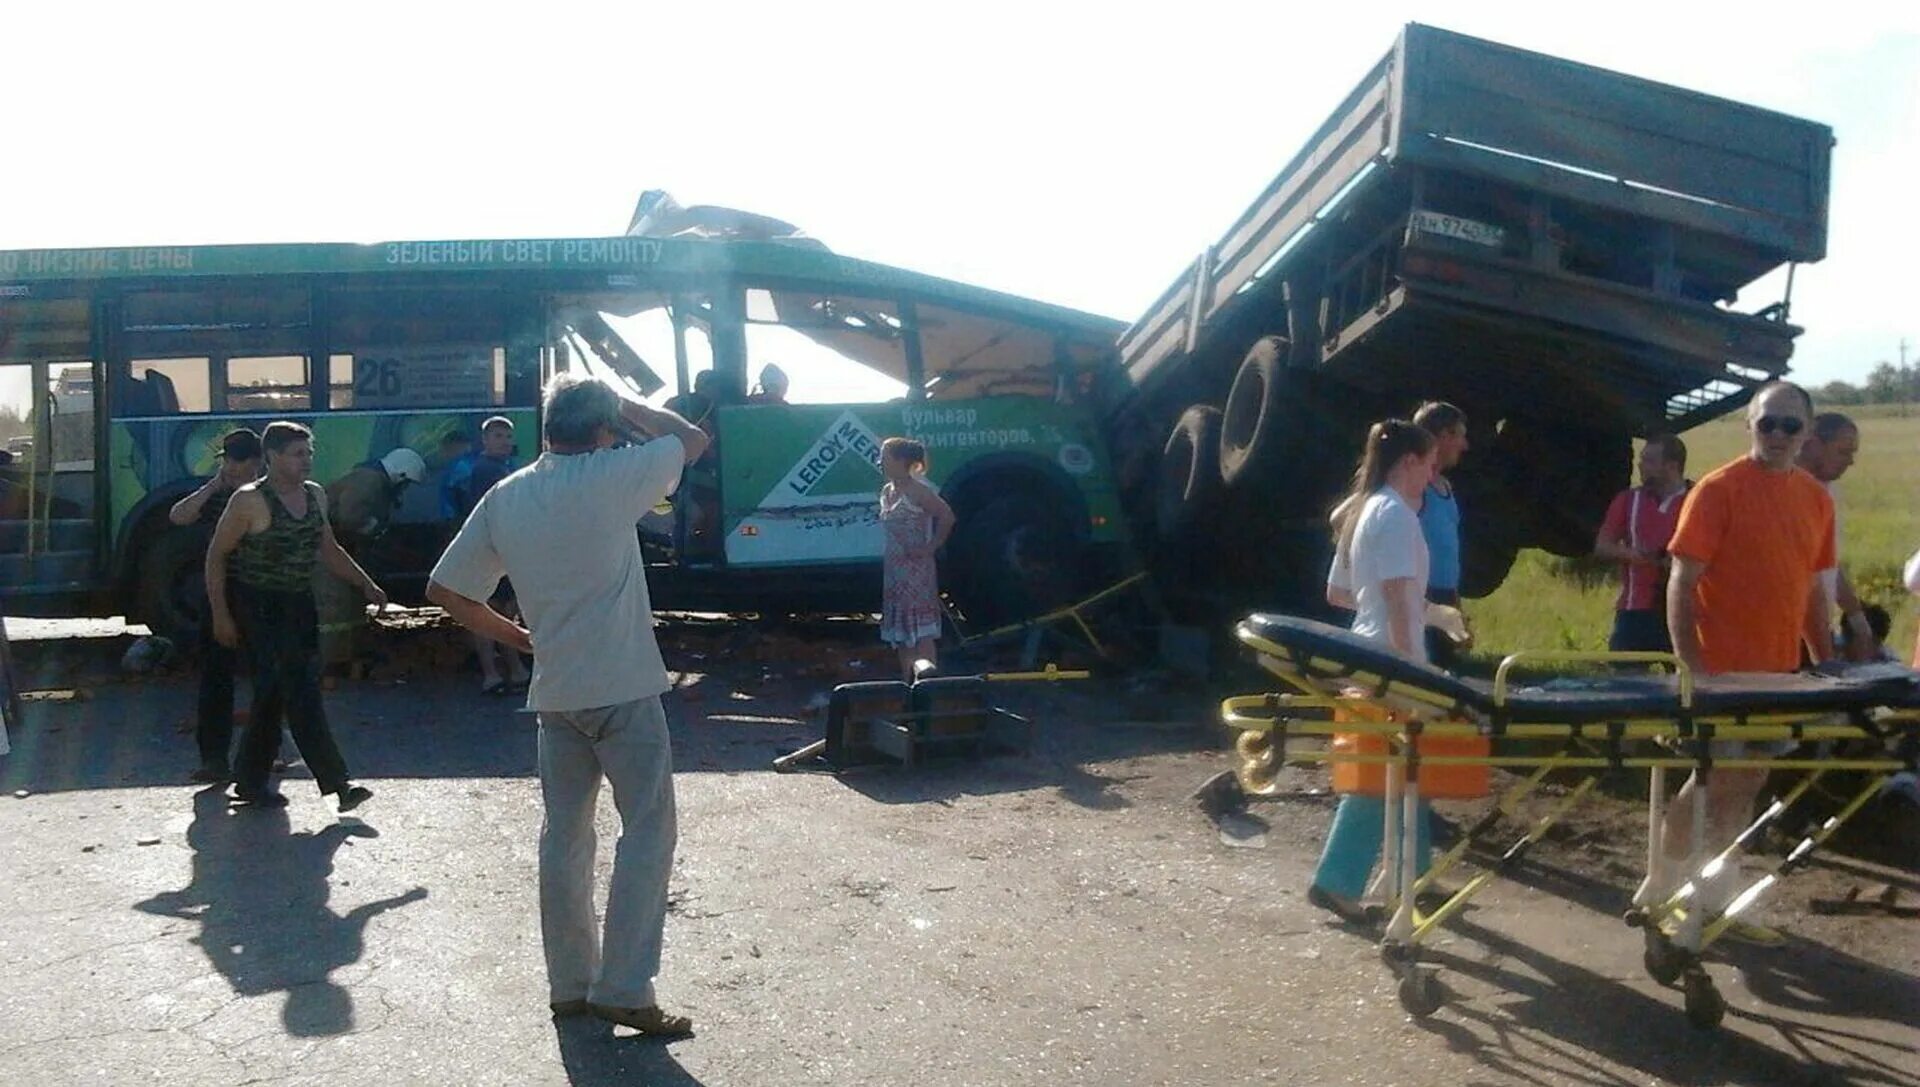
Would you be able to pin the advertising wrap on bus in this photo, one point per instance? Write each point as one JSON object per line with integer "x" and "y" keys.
{"x": 149, "y": 456}
{"x": 801, "y": 482}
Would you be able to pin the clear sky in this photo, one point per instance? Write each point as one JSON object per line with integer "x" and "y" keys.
{"x": 1079, "y": 154}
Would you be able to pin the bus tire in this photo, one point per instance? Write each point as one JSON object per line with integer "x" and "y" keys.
{"x": 1255, "y": 436}
{"x": 172, "y": 588}
{"x": 1189, "y": 471}
{"x": 1014, "y": 558}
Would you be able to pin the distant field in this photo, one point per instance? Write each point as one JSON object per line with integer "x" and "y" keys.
{"x": 1549, "y": 603}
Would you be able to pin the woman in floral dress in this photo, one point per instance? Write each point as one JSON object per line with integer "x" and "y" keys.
{"x": 917, "y": 521}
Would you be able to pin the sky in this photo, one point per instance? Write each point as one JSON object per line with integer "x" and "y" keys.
{"x": 1079, "y": 154}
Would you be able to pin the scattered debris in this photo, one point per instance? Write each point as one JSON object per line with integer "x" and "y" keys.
{"x": 22, "y": 794}
{"x": 1242, "y": 831}
{"x": 154, "y": 841}
{"x": 148, "y": 654}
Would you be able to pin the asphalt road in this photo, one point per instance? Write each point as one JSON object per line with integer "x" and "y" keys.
{"x": 1063, "y": 916}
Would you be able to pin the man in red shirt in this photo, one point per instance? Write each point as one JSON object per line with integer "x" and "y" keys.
{"x": 1754, "y": 541}
{"x": 1639, "y": 523}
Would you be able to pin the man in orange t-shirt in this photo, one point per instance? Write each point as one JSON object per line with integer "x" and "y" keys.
{"x": 1754, "y": 538}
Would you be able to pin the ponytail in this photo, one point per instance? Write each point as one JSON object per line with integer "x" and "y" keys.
{"x": 1387, "y": 442}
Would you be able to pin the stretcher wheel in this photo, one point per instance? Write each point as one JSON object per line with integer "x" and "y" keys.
{"x": 1421, "y": 992}
{"x": 1254, "y": 747}
{"x": 1705, "y": 1006}
{"x": 1664, "y": 962}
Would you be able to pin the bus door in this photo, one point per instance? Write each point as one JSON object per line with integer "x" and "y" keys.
{"x": 49, "y": 542}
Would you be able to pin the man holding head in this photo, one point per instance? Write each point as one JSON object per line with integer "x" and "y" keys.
{"x": 1750, "y": 557}
{"x": 239, "y": 466}
{"x": 562, "y": 529}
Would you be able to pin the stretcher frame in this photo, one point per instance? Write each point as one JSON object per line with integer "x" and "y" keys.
{"x": 1676, "y": 935}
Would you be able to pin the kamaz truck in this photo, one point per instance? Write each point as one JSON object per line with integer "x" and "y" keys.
{"x": 1564, "y": 252}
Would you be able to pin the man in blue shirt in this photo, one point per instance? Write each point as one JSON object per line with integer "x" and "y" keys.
{"x": 1440, "y": 514}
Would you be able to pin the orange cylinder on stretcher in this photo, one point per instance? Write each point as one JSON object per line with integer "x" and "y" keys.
{"x": 1453, "y": 781}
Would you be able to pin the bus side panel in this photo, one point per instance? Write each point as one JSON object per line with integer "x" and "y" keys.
{"x": 800, "y": 483}
{"x": 151, "y": 455}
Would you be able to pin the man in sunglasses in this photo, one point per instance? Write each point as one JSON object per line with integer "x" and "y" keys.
{"x": 1750, "y": 555}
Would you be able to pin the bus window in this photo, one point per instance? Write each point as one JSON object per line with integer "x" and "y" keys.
{"x": 339, "y": 381}
{"x": 426, "y": 350}
{"x": 830, "y": 349}
{"x": 970, "y": 355}
{"x": 276, "y": 383}
{"x": 164, "y": 387}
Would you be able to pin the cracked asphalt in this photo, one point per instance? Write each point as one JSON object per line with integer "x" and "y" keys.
{"x": 1063, "y": 916}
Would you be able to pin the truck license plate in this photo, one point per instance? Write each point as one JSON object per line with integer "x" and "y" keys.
{"x": 1452, "y": 226}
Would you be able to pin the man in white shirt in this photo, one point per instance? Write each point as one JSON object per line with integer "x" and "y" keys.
{"x": 563, "y": 529}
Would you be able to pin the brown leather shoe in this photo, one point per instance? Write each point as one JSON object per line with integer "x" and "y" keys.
{"x": 567, "y": 1009}
{"x": 651, "y": 1022}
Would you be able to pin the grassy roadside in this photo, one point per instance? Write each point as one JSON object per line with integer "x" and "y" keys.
{"x": 1553, "y": 603}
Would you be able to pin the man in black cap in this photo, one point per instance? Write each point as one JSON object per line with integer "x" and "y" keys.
{"x": 239, "y": 466}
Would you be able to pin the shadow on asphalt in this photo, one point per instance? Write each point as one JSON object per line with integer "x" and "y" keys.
{"x": 136, "y": 731}
{"x": 595, "y": 1056}
{"x": 259, "y": 894}
{"x": 1573, "y": 1015}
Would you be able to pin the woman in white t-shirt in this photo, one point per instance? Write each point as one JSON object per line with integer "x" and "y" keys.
{"x": 1380, "y": 571}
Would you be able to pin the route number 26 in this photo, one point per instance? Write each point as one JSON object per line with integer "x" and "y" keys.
{"x": 376, "y": 377}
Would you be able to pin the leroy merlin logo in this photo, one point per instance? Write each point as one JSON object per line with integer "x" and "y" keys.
{"x": 844, "y": 460}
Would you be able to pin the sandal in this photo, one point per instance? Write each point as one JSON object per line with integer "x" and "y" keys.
{"x": 651, "y": 1022}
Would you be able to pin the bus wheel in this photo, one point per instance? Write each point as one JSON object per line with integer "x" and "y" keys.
{"x": 173, "y": 589}
{"x": 1013, "y": 559}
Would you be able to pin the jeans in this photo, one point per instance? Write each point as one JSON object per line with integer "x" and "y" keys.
{"x": 280, "y": 635}
{"x": 629, "y": 746}
{"x": 1353, "y": 845}
{"x": 213, "y": 731}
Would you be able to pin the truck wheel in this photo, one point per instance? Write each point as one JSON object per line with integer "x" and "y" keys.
{"x": 1484, "y": 564}
{"x": 1014, "y": 559}
{"x": 172, "y": 592}
{"x": 1189, "y": 470}
{"x": 1252, "y": 434}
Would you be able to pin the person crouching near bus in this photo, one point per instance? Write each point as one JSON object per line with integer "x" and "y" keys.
{"x": 360, "y": 507}
{"x": 271, "y": 536}
{"x": 1380, "y": 569}
{"x": 917, "y": 522}
{"x": 213, "y": 729}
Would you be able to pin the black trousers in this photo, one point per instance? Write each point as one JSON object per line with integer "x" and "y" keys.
{"x": 214, "y": 729}
{"x": 280, "y": 635}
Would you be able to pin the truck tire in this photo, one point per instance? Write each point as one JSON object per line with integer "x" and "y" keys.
{"x": 1189, "y": 471}
{"x": 172, "y": 590}
{"x": 1254, "y": 439}
{"x": 1015, "y": 558}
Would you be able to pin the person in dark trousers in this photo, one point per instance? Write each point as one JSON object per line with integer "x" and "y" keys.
{"x": 274, "y": 531}
{"x": 1634, "y": 534}
{"x": 213, "y": 729}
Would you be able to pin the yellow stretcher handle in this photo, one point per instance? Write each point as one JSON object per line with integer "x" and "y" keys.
{"x": 1550, "y": 656}
{"x": 1051, "y": 674}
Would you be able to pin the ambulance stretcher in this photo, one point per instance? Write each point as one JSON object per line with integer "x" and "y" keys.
{"x": 1403, "y": 730}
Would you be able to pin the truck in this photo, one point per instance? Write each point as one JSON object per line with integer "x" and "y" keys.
{"x": 1559, "y": 250}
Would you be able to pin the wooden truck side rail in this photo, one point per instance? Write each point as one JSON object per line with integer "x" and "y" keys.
{"x": 1752, "y": 180}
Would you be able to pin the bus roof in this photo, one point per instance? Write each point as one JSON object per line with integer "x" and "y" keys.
{"x": 626, "y": 262}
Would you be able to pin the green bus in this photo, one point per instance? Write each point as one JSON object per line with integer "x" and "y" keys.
{"x": 120, "y": 369}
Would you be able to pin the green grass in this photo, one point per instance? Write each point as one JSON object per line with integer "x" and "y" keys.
{"x": 1553, "y": 603}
